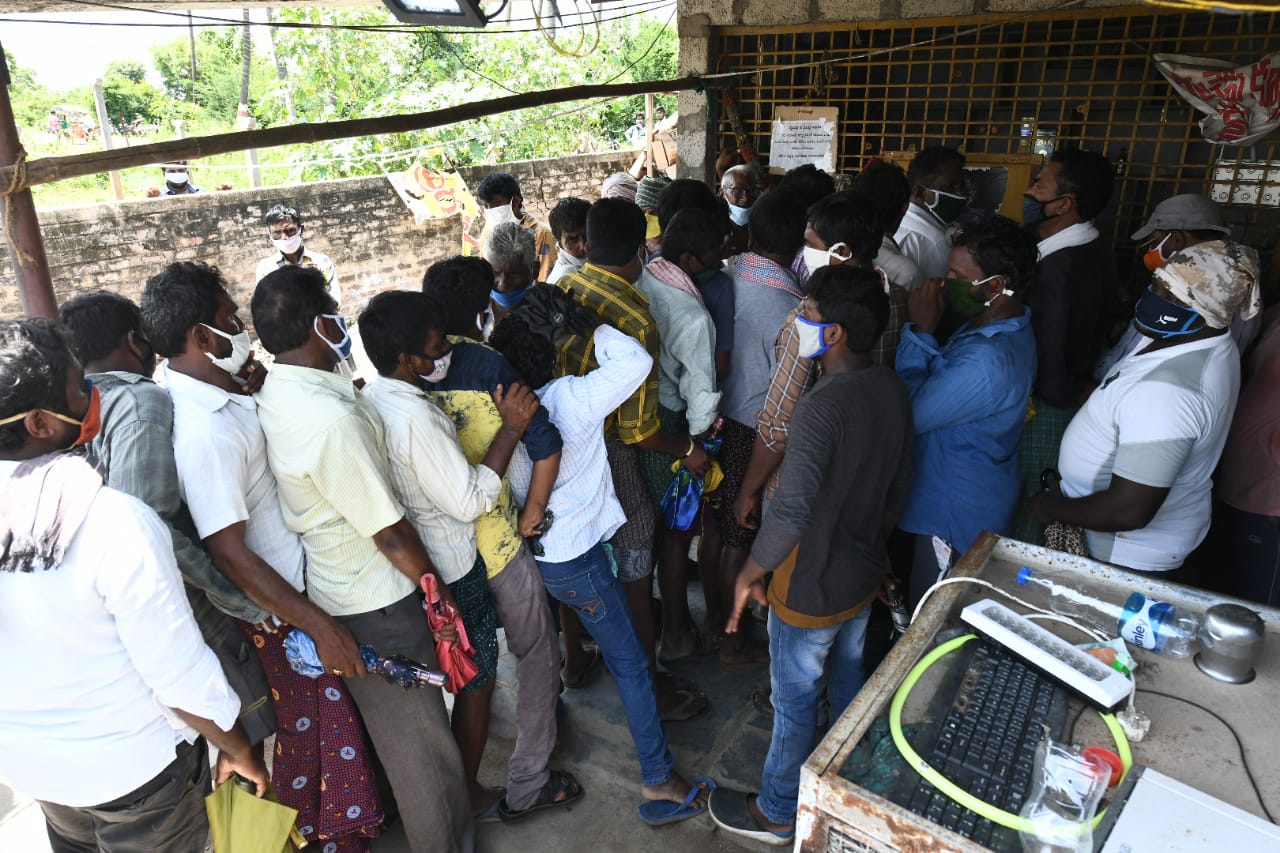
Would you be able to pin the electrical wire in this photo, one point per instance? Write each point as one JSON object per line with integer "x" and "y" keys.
{"x": 1044, "y": 614}
{"x": 589, "y": 17}
{"x": 1244, "y": 759}
{"x": 647, "y": 51}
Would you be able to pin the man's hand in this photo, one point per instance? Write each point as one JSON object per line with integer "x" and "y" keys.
{"x": 248, "y": 764}
{"x": 746, "y": 509}
{"x": 924, "y": 305}
{"x": 744, "y": 591}
{"x": 225, "y": 187}
{"x": 449, "y": 632}
{"x": 254, "y": 373}
{"x": 530, "y": 517}
{"x": 698, "y": 461}
{"x": 516, "y": 405}
{"x": 339, "y": 652}
{"x": 1036, "y": 504}
{"x": 153, "y": 192}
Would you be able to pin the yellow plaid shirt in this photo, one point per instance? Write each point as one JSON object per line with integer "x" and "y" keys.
{"x": 625, "y": 308}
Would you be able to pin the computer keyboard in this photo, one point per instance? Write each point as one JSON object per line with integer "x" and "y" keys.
{"x": 981, "y": 733}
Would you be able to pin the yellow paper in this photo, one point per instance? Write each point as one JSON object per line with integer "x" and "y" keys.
{"x": 243, "y": 823}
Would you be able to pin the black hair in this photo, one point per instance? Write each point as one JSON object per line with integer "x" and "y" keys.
{"x": 395, "y": 323}
{"x": 693, "y": 231}
{"x": 1088, "y": 176}
{"x": 1000, "y": 246}
{"x": 926, "y": 167}
{"x": 532, "y": 355}
{"x": 777, "y": 222}
{"x": 887, "y": 185}
{"x": 569, "y": 214}
{"x": 181, "y": 295}
{"x": 285, "y": 306}
{"x": 684, "y": 194}
{"x": 35, "y": 354}
{"x": 615, "y": 231}
{"x": 849, "y": 217}
{"x": 99, "y": 322}
{"x": 853, "y": 298}
{"x": 809, "y": 182}
{"x": 282, "y": 212}
{"x": 460, "y": 285}
{"x": 497, "y": 183}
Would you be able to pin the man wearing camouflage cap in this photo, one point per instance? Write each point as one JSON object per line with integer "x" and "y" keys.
{"x": 1138, "y": 458}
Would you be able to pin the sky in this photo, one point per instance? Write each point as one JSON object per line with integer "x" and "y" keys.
{"x": 64, "y": 56}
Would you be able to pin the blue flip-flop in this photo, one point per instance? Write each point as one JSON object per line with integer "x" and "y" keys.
{"x": 663, "y": 812}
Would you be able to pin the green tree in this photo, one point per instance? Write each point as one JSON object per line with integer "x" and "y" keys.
{"x": 128, "y": 96}
{"x": 31, "y": 101}
{"x": 220, "y": 61}
{"x": 131, "y": 70}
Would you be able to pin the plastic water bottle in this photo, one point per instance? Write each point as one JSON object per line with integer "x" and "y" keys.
{"x": 1144, "y": 622}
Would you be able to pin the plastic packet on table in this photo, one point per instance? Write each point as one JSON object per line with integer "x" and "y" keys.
{"x": 1114, "y": 653}
{"x": 1066, "y": 789}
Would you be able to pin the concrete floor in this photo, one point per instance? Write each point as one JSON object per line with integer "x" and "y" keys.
{"x": 728, "y": 743}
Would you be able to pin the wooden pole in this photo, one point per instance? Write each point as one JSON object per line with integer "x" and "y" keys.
{"x": 48, "y": 169}
{"x": 21, "y": 225}
{"x": 648, "y": 134}
{"x": 104, "y": 127}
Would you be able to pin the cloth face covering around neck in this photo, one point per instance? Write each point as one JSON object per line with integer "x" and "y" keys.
{"x": 1159, "y": 318}
{"x": 342, "y": 347}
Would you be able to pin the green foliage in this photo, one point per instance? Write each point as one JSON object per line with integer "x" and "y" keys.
{"x": 131, "y": 70}
{"x": 216, "y": 89}
{"x": 128, "y": 99}
{"x": 31, "y": 101}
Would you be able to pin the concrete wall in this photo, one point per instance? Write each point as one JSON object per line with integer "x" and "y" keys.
{"x": 360, "y": 222}
{"x": 697, "y": 19}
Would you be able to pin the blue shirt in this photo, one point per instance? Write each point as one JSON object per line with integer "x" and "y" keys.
{"x": 968, "y": 403}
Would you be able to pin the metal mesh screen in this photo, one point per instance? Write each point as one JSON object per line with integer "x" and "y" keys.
{"x": 1079, "y": 78}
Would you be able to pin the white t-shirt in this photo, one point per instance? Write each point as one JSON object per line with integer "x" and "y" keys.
{"x": 923, "y": 239}
{"x": 1160, "y": 419}
{"x": 223, "y": 471}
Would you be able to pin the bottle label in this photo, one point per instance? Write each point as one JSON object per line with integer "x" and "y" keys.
{"x": 1143, "y": 620}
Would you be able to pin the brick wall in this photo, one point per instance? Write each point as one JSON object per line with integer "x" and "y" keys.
{"x": 360, "y": 222}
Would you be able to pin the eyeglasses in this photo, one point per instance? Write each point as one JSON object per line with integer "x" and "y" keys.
{"x": 279, "y": 233}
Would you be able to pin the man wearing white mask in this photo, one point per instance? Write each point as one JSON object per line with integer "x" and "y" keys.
{"x": 284, "y": 226}
{"x": 938, "y": 197}
{"x": 499, "y": 196}
{"x": 738, "y": 187}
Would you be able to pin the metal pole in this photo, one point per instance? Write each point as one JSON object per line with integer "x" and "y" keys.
{"x": 104, "y": 127}
{"x": 21, "y": 225}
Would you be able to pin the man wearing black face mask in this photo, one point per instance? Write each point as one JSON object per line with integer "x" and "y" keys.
{"x": 938, "y": 197}
{"x": 1075, "y": 285}
{"x": 134, "y": 449}
{"x": 1153, "y": 430}
{"x": 97, "y": 637}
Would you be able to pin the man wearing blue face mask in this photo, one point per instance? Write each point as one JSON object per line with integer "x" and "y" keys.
{"x": 365, "y": 560}
{"x": 842, "y": 485}
{"x": 512, "y": 253}
{"x": 938, "y": 197}
{"x": 1074, "y": 289}
{"x": 1152, "y": 432}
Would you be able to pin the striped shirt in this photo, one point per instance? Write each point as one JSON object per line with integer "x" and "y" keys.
{"x": 325, "y": 446}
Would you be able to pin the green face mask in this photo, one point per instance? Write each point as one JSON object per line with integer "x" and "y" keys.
{"x": 956, "y": 291}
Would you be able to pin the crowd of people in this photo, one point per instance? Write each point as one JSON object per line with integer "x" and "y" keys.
{"x": 863, "y": 380}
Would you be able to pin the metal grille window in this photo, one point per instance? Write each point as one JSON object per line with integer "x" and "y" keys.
{"x": 1078, "y": 78}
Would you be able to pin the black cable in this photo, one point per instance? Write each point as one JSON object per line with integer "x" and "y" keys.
{"x": 496, "y": 12}
{"x": 396, "y": 28}
{"x": 647, "y": 51}
{"x": 1244, "y": 759}
{"x": 462, "y": 62}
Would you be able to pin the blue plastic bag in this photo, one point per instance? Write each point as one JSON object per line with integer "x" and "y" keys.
{"x": 682, "y": 500}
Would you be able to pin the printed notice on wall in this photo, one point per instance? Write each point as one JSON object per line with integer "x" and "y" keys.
{"x": 803, "y": 135}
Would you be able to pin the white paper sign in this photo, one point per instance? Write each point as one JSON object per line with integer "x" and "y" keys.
{"x": 803, "y": 135}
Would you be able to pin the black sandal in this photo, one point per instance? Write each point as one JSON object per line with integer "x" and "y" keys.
{"x": 558, "y": 783}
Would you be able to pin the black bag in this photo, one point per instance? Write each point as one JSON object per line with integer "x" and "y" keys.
{"x": 550, "y": 312}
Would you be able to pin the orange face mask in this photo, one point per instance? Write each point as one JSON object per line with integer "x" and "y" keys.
{"x": 1153, "y": 259}
{"x": 89, "y": 425}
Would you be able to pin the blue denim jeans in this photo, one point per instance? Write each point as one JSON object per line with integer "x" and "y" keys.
{"x": 586, "y": 583}
{"x": 799, "y": 657}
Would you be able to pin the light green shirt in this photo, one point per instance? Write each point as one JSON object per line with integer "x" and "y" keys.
{"x": 325, "y": 447}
